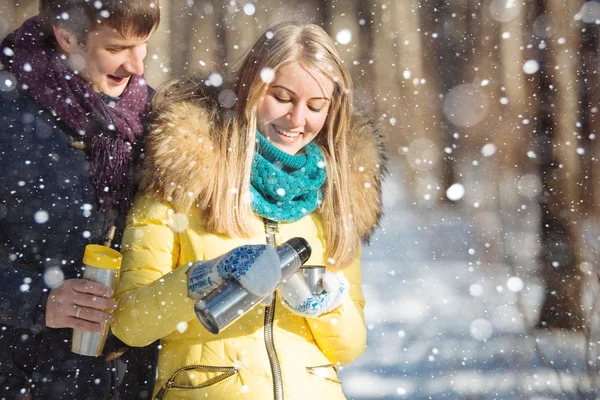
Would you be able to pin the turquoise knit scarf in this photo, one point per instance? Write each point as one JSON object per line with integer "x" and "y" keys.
{"x": 286, "y": 187}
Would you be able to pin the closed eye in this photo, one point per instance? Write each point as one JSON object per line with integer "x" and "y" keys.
{"x": 281, "y": 100}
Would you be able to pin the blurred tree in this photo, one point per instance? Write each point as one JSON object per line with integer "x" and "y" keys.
{"x": 558, "y": 133}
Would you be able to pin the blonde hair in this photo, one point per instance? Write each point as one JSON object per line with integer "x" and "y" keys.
{"x": 225, "y": 205}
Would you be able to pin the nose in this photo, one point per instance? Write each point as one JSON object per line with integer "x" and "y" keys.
{"x": 135, "y": 61}
{"x": 297, "y": 115}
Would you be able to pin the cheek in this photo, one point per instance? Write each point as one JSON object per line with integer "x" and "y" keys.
{"x": 317, "y": 122}
{"x": 143, "y": 52}
{"x": 107, "y": 64}
{"x": 268, "y": 110}
{"x": 260, "y": 112}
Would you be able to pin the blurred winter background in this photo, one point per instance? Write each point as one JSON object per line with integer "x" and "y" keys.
{"x": 482, "y": 282}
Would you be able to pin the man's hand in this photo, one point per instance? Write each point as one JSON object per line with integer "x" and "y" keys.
{"x": 79, "y": 304}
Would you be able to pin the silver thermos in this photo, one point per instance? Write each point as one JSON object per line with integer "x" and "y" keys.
{"x": 313, "y": 276}
{"x": 102, "y": 265}
{"x": 228, "y": 302}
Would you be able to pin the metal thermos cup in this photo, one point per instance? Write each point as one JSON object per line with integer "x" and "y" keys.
{"x": 313, "y": 275}
{"x": 102, "y": 265}
{"x": 228, "y": 302}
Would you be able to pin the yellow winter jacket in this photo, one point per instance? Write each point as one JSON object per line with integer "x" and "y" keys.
{"x": 159, "y": 243}
{"x": 153, "y": 304}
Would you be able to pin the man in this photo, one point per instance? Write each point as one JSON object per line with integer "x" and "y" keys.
{"x": 72, "y": 104}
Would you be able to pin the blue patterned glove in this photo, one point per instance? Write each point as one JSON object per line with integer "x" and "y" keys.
{"x": 297, "y": 296}
{"x": 255, "y": 267}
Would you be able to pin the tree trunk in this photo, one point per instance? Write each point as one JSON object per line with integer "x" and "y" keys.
{"x": 559, "y": 169}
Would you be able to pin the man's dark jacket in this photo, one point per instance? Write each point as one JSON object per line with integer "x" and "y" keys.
{"x": 48, "y": 214}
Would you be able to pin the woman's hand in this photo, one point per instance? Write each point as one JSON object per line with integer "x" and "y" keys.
{"x": 79, "y": 304}
{"x": 255, "y": 267}
{"x": 298, "y": 298}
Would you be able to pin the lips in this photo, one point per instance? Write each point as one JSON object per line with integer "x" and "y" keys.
{"x": 288, "y": 134}
{"x": 118, "y": 80}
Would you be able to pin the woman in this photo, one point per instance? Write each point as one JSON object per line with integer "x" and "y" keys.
{"x": 288, "y": 162}
{"x": 72, "y": 104}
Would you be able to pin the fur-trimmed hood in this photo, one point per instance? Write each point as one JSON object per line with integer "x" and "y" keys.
{"x": 180, "y": 153}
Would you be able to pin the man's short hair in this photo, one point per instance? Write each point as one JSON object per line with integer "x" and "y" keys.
{"x": 137, "y": 18}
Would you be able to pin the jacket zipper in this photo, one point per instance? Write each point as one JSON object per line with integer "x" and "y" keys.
{"x": 227, "y": 372}
{"x": 272, "y": 231}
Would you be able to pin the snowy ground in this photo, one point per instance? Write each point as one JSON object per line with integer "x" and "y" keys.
{"x": 442, "y": 326}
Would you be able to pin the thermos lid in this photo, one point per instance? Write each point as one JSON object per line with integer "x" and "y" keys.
{"x": 103, "y": 257}
{"x": 302, "y": 248}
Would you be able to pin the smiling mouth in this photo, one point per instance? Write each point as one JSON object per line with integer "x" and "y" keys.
{"x": 287, "y": 133}
{"x": 118, "y": 79}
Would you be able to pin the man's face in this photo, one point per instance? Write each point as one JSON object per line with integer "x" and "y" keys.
{"x": 108, "y": 59}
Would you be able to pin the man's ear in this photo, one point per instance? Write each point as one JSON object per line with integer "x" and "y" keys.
{"x": 66, "y": 39}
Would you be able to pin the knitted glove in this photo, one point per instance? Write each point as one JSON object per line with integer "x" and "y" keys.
{"x": 255, "y": 267}
{"x": 298, "y": 298}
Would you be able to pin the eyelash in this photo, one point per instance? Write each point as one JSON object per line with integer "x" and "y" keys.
{"x": 114, "y": 50}
{"x": 313, "y": 109}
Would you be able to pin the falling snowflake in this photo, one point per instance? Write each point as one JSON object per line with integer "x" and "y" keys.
{"x": 531, "y": 67}
{"x": 267, "y": 75}
{"x": 455, "y": 192}
{"x": 249, "y": 9}
{"x": 41, "y": 217}
{"x": 344, "y": 36}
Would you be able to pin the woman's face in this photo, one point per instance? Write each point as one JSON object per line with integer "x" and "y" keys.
{"x": 295, "y": 107}
{"x": 108, "y": 60}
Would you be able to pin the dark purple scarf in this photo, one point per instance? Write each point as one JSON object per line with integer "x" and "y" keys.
{"x": 109, "y": 132}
